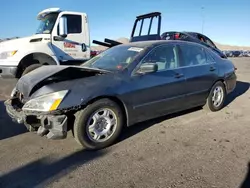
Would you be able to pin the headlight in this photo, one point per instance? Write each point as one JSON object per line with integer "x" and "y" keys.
{"x": 5, "y": 55}
{"x": 45, "y": 103}
{"x": 13, "y": 92}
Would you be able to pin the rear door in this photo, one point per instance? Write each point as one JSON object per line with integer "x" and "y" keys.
{"x": 200, "y": 71}
{"x": 155, "y": 94}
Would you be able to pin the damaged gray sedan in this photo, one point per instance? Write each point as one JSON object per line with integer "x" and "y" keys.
{"x": 126, "y": 84}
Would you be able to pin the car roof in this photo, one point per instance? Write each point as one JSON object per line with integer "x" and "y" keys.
{"x": 152, "y": 43}
{"x": 188, "y": 32}
{"x": 191, "y": 32}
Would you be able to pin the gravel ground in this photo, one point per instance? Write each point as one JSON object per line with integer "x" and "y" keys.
{"x": 190, "y": 149}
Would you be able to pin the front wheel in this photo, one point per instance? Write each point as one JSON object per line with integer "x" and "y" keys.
{"x": 216, "y": 97}
{"x": 31, "y": 68}
{"x": 99, "y": 124}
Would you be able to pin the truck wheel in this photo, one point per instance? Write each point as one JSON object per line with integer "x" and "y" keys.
{"x": 216, "y": 97}
{"x": 31, "y": 68}
{"x": 98, "y": 125}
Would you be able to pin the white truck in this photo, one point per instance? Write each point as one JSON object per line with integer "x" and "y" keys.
{"x": 62, "y": 38}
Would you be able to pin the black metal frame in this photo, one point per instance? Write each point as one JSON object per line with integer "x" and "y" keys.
{"x": 107, "y": 43}
{"x": 158, "y": 36}
{"x": 149, "y": 36}
{"x": 110, "y": 43}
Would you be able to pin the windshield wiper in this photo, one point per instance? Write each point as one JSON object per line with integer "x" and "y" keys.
{"x": 96, "y": 68}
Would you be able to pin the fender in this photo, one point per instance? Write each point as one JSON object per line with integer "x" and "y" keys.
{"x": 33, "y": 52}
{"x": 42, "y": 49}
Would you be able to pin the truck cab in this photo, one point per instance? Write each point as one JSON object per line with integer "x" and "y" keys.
{"x": 62, "y": 37}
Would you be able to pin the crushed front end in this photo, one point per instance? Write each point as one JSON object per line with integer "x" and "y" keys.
{"x": 45, "y": 122}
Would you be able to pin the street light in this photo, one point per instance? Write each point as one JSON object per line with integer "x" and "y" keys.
{"x": 203, "y": 19}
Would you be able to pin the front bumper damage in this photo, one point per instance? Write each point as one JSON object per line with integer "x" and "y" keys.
{"x": 8, "y": 71}
{"x": 52, "y": 126}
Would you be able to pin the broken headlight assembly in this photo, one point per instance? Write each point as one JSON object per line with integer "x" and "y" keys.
{"x": 13, "y": 92}
{"x": 45, "y": 103}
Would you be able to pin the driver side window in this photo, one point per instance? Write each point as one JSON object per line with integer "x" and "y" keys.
{"x": 165, "y": 56}
{"x": 74, "y": 24}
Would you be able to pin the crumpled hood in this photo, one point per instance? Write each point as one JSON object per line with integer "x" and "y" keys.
{"x": 15, "y": 44}
{"x": 39, "y": 77}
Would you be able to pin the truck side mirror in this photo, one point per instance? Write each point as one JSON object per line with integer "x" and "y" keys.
{"x": 63, "y": 32}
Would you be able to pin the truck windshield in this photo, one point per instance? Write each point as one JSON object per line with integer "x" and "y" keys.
{"x": 47, "y": 23}
{"x": 114, "y": 59}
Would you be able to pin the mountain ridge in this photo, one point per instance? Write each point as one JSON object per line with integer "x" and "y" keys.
{"x": 126, "y": 40}
{"x": 219, "y": 45}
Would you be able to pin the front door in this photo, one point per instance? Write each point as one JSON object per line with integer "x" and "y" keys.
{"x": 70, "y": 48}
{"x": 162, "y": 92}
{"x": 200, "y": 71}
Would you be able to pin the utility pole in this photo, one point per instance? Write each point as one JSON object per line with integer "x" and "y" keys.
{"x": 203, "y": 19}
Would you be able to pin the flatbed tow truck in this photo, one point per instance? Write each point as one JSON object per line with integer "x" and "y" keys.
{"x": 62, "y": 38}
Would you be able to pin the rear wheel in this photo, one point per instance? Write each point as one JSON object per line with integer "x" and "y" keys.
{"x": 99, "y": 124}
{"x": 216, "y": 97}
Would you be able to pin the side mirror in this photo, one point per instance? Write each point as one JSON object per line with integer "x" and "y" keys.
{"x": 63, "y": 32}
{"x": 148, "y": 68}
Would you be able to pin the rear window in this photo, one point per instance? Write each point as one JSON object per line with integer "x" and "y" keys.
{"x": 174, "y": 36}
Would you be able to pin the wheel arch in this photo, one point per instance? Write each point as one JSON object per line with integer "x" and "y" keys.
{"x": 115, "y": 99}
{"x": 223, "y": 81}
{"x": 40, "y": 57}
{"x": 219, "y": 80}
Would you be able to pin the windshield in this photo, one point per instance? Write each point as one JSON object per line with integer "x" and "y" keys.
{"x": 114, "y": 59}
{"x": 47, "y": 23}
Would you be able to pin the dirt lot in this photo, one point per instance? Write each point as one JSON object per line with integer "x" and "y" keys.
{"x": 190, "y": 149}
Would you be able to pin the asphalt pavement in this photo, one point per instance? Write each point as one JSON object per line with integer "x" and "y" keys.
{"x": 194, "y": 148}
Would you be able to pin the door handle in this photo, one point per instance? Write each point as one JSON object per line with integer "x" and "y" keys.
{"x": 58, "y": 38}
{"x": 212, "y": 68}
{"x": 178, "y": 75}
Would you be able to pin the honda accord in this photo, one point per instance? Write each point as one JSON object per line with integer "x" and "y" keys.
{"x": 124, "y": 85}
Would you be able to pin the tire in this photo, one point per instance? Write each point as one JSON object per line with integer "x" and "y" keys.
{"x": 82, "y": 121}
{"x": 221, "y": 91}
{"x": 31, "y": 68}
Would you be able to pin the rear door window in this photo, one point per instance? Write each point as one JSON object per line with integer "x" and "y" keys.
{"x": 193, "y": 55}
{"x": 210, "y": 58}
